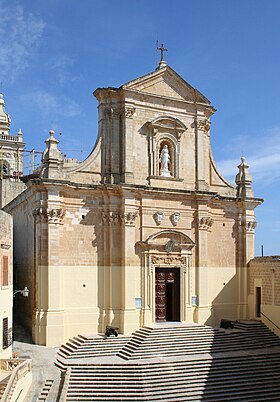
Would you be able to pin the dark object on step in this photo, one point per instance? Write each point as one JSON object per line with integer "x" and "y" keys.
{"x": 226, "y": 324}
{"x": 111, "y": 331}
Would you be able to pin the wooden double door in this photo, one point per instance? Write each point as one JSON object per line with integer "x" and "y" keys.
{"x": 167, "y": 294}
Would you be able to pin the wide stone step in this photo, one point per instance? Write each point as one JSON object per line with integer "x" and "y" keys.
{"x": 257, "y": 358}
{"x": 184, "y": 352}
{"x": 215, "y": 392}
{"x": 179, "y": 372}
{"x": 190, "y": 371}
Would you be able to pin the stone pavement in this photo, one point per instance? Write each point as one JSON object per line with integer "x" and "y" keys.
{"x": 42, "y": 363}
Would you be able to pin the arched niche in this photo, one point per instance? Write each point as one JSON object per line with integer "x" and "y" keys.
{"x": 164, "y": 131}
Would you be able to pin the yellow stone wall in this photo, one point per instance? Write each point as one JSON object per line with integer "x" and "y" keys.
{"x": 6, "y": 292}
{"x": 96, "y": 233}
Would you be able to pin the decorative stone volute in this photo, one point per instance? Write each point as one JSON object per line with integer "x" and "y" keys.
{"x": 249, "y": 226}
{"x": 243, "y": 181}
{"x": 50, "y": 215}
{"x": 52, "y": 159}
{"x": 205, "y": 223}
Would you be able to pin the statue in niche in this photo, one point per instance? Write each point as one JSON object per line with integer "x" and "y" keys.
{"x": 164, "y": 162}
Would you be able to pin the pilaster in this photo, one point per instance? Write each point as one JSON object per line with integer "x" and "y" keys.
{"x": 48, "y": 315}
{"x": 202, "y": 128}
{"x": 127, "y": 144}
{"x": 204, "y": 224}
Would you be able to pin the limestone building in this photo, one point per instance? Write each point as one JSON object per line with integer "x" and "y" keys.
{"x": 6, "y": 285}
{"x": 11, "y": 151}
{"x": 11, "y": 146}
{"x": 144, "y": 230}
{"x": 264, "y": 291}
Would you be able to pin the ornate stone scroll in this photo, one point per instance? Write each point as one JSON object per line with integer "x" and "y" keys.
{"x": 205, "y": 223}
{"x": 130, "y": 218}
{"x": 116, "y": 218}
{"x": 203, "y": 125}
{"x": 50, "y": 215}
{"x": 250, "y": 226}
{"x": 129, "y": 112}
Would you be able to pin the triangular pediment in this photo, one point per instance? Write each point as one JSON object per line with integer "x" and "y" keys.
{"x": 166, "y": 82}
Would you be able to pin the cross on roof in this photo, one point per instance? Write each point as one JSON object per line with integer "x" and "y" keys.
{"x": 162, "y": 50}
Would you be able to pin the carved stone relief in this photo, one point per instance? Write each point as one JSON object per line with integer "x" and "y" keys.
{"x": 203, "y": 125}
{"x": 205, "y": 223}
{"x": 116, "y": 218}
{"x": 158, "y": 217}
{"x": 129, "y": 112}
{"x": 168, "y": 259}
{"x": 175, "y": 218}
{"x": 54, "y": 215}
{"x": 250, "y": 226}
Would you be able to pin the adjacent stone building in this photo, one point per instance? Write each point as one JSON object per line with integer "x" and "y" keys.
{"x": 11, "y": 151}
{"x": 144, "y": 230}
{"x": 6, "y": 285}
{"x": 264, "y": 291}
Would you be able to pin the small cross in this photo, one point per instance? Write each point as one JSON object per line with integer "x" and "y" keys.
{"x": 162, "y": 50}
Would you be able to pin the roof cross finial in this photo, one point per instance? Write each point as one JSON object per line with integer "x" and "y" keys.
{"x": 162, "y": 50}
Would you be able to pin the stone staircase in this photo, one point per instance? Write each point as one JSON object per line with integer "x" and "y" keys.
{"x": 3, "y": 384}
{"x": 45, "y": 391}
{"x": 180, "y": 362}
{"x": 92, "y": 346}
{"x": 152, "y": 341}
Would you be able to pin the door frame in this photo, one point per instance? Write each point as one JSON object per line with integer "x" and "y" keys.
{"x": 154, "y": 253}
{"x": 182, "y": 263}
{"x": 258, "y": 301}
{"x": 176, "y": 299}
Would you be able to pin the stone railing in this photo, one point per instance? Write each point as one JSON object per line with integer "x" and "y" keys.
{"x": 13, "y": 138}
{"x": 66, "y": 379}
{"x": 19, "y": 368}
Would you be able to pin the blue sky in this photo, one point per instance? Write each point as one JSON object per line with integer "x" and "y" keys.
{"x": 55, "y": 53}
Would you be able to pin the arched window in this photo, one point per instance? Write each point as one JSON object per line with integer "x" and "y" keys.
{"x": 5, "y": 168}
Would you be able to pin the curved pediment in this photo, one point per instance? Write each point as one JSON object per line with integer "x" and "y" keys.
{"x": 164, "y": 236}
{"x": 168, "y": 122}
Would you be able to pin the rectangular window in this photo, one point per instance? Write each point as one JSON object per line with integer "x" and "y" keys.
{"x": 5, "y": 271}
{"x": 5, "y": 333}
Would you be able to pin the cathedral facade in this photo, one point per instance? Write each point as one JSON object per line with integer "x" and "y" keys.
{"x": 145, "y": 230}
